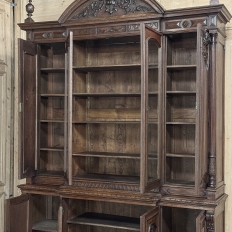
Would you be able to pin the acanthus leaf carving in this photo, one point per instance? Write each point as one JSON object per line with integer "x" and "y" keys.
{"x": 112, "y": 6}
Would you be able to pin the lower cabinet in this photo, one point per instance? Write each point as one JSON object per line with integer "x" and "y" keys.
{"x": 33, "y": 212}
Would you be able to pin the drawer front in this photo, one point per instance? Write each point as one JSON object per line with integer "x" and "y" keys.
{"x": 184, "y": 24}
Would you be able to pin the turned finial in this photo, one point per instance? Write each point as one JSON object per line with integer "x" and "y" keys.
{"x": 30, "y": 10}
{"x": 214, "y": 2}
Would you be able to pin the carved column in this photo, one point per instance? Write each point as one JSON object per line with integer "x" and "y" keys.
{"x": 212, "y": 107}
{"x": 210, "y": 221}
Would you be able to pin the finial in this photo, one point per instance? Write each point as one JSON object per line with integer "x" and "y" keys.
{"x": 30, "y": 9}
{"x": 214, "y": 2}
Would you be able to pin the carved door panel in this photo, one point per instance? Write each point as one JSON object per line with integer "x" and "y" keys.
{"x": 203, "y": 40}
{"x": 200, "y": 222}
{"x": 27, "y": 107}
{"x": 18, "y": 216}
{"x": 149, "y": 222}
{"x": 150, "y": 98}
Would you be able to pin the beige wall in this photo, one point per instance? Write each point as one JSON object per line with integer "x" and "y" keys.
{"x": 52, "y": 9}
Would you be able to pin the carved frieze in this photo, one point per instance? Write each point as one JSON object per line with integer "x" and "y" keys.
{"x": 114, "y": 29}
{"x": 110, "y": 30}
{"x": 111, "y": 7}
{"x": 117, "y": 186}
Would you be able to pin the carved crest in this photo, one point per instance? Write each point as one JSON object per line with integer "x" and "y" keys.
{"x": 111, "y": 7}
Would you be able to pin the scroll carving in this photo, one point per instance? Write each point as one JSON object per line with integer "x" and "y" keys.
{"x": 112, "y": 6}
{"x": 206, "y": 39}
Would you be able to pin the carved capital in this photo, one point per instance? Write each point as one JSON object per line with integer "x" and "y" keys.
{"x": 212, "y": 170}
{"x": 210, "y": 221}
{"x": 214, "y": 37}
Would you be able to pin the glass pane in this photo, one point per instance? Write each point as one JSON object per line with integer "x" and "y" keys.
{"x": 152, "y": 109}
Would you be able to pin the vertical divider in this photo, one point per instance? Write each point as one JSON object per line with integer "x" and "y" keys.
{"x": 70, "y": 98}
{"x": 65, "y": 113}
{"x": 143, "y": 123}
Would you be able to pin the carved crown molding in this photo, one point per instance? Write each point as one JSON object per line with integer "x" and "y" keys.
{"x": 104, "y": 8}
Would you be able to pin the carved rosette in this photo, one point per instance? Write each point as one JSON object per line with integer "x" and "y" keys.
{"x": 210, "y": 221}
{"x": 112, "y": 6}
{"x": 206, "y": 39}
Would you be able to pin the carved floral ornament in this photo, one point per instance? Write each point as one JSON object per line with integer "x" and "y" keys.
{"x": 206, "y": 39}
{"x": 112, "y": 6}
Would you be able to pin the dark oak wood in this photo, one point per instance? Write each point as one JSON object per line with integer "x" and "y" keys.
{"x": 27, "y": 101}
{"x": 123, "y": 129}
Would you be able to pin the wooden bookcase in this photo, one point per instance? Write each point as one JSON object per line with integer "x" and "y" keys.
{"x": 122, "y": 120}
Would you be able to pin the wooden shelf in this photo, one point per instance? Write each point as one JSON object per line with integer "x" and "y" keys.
{"x": 180, "y": 92}
{"x": 180, "y": 123}
{"x": 108, "y": 178}
{"x": 51, "y": 149}
{"x": 52, "y": 95}
{"x": 106, "y": 220}
{"x": 51, "y": 121}
{"x": 178, "y": 155}
{"x": 85, "y": 95}
{"x": 181, "y": 67}
{"x": 50, "y": 173}
{"x": 45, "y": 225}
{"x": 113, "y": 155}
{"x": 111, "y": 67}
{"x": 52, "y": 70}
{"x": 181, "y": 182}
{"x": 105, "y": 122}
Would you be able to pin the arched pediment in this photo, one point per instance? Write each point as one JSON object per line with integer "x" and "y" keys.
{"x": 82, "y": 9}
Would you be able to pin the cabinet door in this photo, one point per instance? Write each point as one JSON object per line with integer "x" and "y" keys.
{"x": 150, "y": 102}
{"x": 200, "y": 222}
{"x": 69, "y": 105}
{"x": 203, "y": 39}
{"x": 18, "y": 217}
{"x": 149, "y": 222}
{"x": 27, "y": 107}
